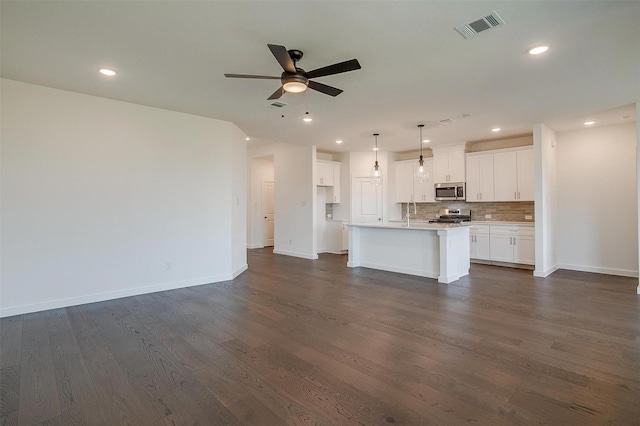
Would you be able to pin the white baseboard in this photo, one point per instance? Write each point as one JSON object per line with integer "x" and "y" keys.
{"x": 296, "y": 254}
{"x": 546, "y": 273}
{"x": 599, "y": 270}
{"x": 392, "y": 268}
{"x": 110, "y": 295}
{"x": 255, "y": 246}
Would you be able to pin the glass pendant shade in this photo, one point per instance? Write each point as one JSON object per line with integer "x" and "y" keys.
{"x": 422, "y": 175}
{"x": 376, "y": 170}
{"x": 376, "y": 174}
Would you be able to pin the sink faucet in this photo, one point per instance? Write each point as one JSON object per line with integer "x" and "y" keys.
{"x": 408, "y": 213}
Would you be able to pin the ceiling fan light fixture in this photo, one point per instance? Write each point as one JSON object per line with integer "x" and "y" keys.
{"x": 294, "y": 83}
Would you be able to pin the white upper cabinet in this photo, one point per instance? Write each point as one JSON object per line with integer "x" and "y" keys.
{"x": 526, "y": 175}
{"x": 328, "y": 174}
{"x": 514, "y": 175}
{"x": 324, "y": 175}
{"x": 448, "y": 164}
{"x": 480, "y": 177}
{"x": 406, "y": 186}
{"x": 335, "y": 197}
{"x": 404, "y": 181}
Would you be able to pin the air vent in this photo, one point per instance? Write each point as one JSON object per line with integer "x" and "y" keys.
{"x": 478, "y": 25}
{"x": 278, "y": 104}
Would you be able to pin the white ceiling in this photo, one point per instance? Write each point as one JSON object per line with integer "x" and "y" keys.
{"x": 416, "y": 68}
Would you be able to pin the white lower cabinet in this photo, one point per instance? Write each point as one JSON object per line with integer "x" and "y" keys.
{"x": 337, "y": 237}
{"x": 512, "y": 244}
{"x": 479, "y": 242}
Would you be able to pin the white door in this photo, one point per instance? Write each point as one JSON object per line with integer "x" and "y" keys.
{"x": 268, "y": 211}
{"x": 367, "y": 201}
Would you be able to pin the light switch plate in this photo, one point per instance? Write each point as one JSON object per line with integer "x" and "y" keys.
{"x": 528, "y": 217}
{"x": 487, "y": 216}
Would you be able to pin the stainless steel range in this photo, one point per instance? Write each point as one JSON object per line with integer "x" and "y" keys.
{"x": 452, "y": 216}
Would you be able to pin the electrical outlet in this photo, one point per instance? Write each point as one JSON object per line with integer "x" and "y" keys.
{"x": 487, "y": 216}
{"x": 329, "y": 216}
{"x": 167, "y": 266}
{"x": 290, "y": 241}
{"x": 528, "y": 217}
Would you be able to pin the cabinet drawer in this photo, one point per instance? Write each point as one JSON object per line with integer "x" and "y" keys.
{"x": 479, "y": 229}
{"x": 512, "y": 230}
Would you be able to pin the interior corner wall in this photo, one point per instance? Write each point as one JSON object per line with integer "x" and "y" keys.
{"x": 295, "y": 194}
{"x": 104, "y": 199}
{"x": 546, "y": 194}
{"x": 238, "y": 202}
{"x": 638, "y": 179}
{"x": 598, "y": 200}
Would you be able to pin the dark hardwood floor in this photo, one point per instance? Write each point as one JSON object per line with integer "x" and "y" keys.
{"x": 293, "y": 341}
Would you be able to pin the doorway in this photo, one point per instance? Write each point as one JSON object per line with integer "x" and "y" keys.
{"x": 268, "y": 212}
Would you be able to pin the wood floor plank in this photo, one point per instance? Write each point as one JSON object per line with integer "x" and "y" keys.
{"x": 78, "y": 400}
{"x": 298, "y": 342}
{"x": 174, "y": 377}
{"x": 120, "y": 403}
{"x": 39, "y": 399}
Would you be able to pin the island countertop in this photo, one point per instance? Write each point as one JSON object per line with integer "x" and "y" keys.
{"x": 413, "y": 225}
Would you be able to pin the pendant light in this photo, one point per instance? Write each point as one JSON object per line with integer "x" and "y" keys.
{"x": 422, "y": 175}
{"x": 376, "y": 170}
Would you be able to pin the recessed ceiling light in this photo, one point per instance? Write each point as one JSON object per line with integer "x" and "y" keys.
{"x": 247, "y": 138}
{"x": 496, "y": 129}
{"x": 589, "y": 123}
{"x": 307, "y": 118}
{"x": 108, "y": 72}
{"x": 426, "y": 140}
{"x": 338, "y": 141}
{"x": 375, "y": 149}
{"x": 536, "y": 50}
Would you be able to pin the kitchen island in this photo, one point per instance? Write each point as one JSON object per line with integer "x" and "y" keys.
{"x": 433, "y": 250}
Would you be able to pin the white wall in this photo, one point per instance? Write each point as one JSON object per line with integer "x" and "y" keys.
{"x": 295, "y": 200}
{"x": 546, "y": 192}
{"x": 104, "y": 199}
{"x": 597, "y": 200}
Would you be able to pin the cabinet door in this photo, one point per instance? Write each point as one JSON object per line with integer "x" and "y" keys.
{"x": 501, "y": 247}
{"x": 485, "y": 172}
{"x": 456, "y": 166}
{"x": 428, "y": 189}
{"x": 441, "y": 167}
{"x": 482, "y": 249}
{"x": 325, "y": 173}
{"x": 524, "y": 250}
{"x": 404, "y": 181}
{"x": 336, "y": 183}
{"x": 505, "y": 176}
{"x": 473, "y": 179}
{"x": 525, "y": 165}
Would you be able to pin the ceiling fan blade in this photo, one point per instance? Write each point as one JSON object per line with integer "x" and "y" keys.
{"x": 265, "y": 77}
{"x": 281, "y": 54}
{"x": 338, "y": 68}
{"x": 327, "y": 90}
{"x": 277, "y": 94}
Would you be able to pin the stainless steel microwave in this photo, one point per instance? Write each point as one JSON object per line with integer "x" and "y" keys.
{"x": 450, "y": 191}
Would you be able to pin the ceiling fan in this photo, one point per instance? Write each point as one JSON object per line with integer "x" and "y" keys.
{"x": 296, "y": 80}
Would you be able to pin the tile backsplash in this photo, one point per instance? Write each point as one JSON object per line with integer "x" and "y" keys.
{"x": 507, "y": 211}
